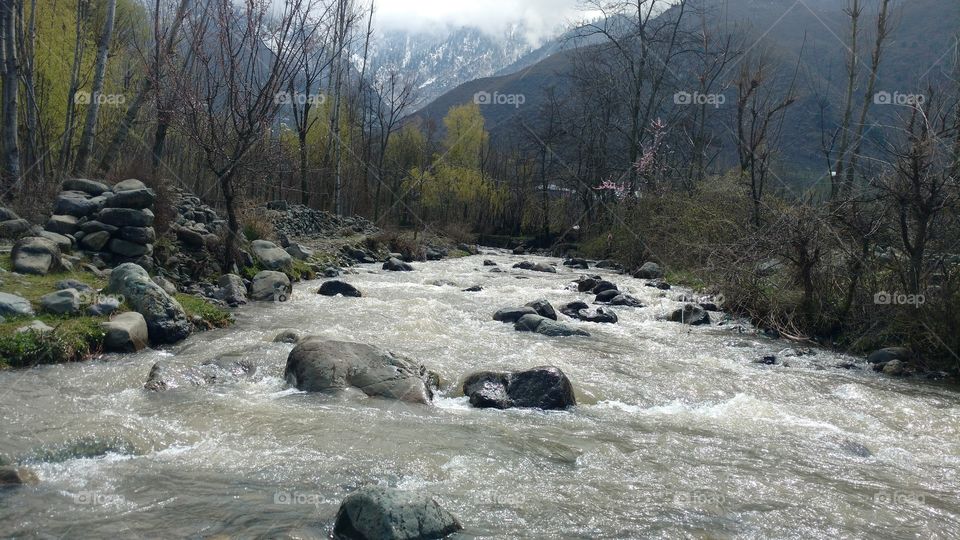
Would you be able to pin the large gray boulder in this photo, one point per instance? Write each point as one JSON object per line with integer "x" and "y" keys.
{"x": 232, "y": 289}
{"x": 62, "y": 242}
{"x": 649, "y": 270}
{"x": 62, "y": 302}
{"x": 12, "y": 305}
{"x": 125, "y": 333}
{"x": 166, "y": 320}
{"x": 270, "y": 286}
{"x": 62, "y": 224}
{"x": 90, "y": 187}
{"x": 36, "y": 255}
{"x": 317, "y": 365}
{"x": 380, "y": 513}
{"x": 544, "y": 387}
{"x": 270, "y": 255}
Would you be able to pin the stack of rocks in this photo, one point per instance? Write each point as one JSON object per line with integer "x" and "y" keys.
{"x": 13, "y": 226}
{"x": 116, "y": 223}
{"x": 197, "y": 226}
{"x": 297, "y": 220}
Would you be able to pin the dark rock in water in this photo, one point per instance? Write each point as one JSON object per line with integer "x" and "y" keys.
{"x": 378, "y": 513}
{"x": 769, "y": 360}
{"x": 434, "y": 254}
{"x": 319, "y": 365}
{"x": 690, "y": 314}
{"x": 166, "y": 320}
{"x": 659, "y": 284}
{"x": 649, "y": 270}
{"x": 605, "y": 297}
{"x": 581, "y": 311}
{"x": 883, "y": 356}
{"x": 496, "y": 270}
{"x": 336, "y": 287}
{"x": 544, "y": 387}
{"x": 16, "y": 476}
{"x": 511, "y": 315}
{"x": 396, "y": 265}
{"x": 474, "y": 288}
{"x": 536, "y": 267}
{"x": 520, "y": 250}
{"x": 488, "y": 262}
{"x": 468, "y": 248}
{"x": 543, "y": 308}
{"x": 331, "y": 272}
{"x": 287, "y": 336}
{"x": 606, "y": 263}
{"x": 163, "y": 376}
{"x": 603, "y": 285}
{"x": 894, "y": 368}
{"x": 581, "y": 264}
{"x": 855, "y": 448}
{"x": 626, "y": 300}
{"x": 847, "y": 365}
{"x": 585, "y": 284}
{"x": 545, "y": 326}
{"x": 709, "y": 306}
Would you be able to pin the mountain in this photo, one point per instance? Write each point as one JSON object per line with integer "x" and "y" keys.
{"x": 448, "y": 57}
{"x": 918, "y": 51}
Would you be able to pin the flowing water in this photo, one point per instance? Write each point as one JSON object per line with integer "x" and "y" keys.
{"x": 677, "y": 432}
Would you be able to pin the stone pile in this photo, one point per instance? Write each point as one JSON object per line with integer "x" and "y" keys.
{"x": 115, "y": 223}
{"x": 297, "y": 220}
{"x": 13, "y": 226}
{"x": 197, "y": 226}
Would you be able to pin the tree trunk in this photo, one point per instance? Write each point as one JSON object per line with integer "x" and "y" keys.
{"x": 11, "y": 84}
{"x": 100, "y": 68}
{"x": 66, "y": 143}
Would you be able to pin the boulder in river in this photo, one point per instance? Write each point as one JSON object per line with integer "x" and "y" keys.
{"x": 544, "y": 387}
{"x": 488, "y": 262}
{"x": 605, "y": 297}
{"x": 578, "y": 263}
{"x": 691, "y": 314}
{"x": 11, "y": 475}
{"x": 547, "y": 327}
{"x": 165, "y": 376}
{"x": 543, "y": 308}
{"x": 512, "y": 315}
{"x": 581, "y": 311}
{"x": 536, "y": 267}
{"x": 380, "y": 513}
{"x": 882, "y": 356}
{"x": 318, "y": 365}
{"x": 603, "y": 285}
{"x": 269, "y": 286}
{"x": 166, "y": 320}
{"x": 396, "y": 265}
{"x": 336, "y": 287}
{"x": 626, "y": 300}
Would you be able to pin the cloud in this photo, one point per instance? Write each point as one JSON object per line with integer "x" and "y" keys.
{"x": 541, "y": 18}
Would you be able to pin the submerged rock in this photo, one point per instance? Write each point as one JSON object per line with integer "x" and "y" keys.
{"x": 318, "y": 365}
{"x": 511, "y": 315}
{"x": 544, "y": 387}
{"x": 691, "y": 314}
{"x": 164, "y": 376}
{"x": 396, "y": 265}
{"x": 581, "y": 311}
{"x": 543, "y": 308}
{"x": 536, "y": 267}
{"x": 545, "y": 326}
{"x": 16, "y": 476}
{"x": 379, "y": 513}
{"x": 337, "y": 287}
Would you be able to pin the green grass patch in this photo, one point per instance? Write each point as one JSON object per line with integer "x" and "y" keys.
{"x": 73, "y": 339}
{"x": 214, "y": 316}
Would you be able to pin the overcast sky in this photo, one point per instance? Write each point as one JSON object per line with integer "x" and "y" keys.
{"x": 541, "y": 17}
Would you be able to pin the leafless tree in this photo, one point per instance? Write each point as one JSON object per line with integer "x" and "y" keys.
{"x": 93, "y": 108}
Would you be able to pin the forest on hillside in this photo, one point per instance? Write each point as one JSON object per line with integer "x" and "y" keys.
{"x": 664, "y": 143}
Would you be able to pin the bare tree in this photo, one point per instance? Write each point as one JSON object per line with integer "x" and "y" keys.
{"x": 11, "y": 85}
{"x": 392, "y": 96}
{"x": 93, "y": 109}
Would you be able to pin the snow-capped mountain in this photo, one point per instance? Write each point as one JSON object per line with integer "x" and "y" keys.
{"x": 443, "y": 59}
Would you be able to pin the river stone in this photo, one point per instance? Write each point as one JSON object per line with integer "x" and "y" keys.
{"x": 270, "y": 286}
{"x": 271, "y": 256}
{"x": 287, "y": 336}
{"x": 95, "y": 241}
{"x": 12, "y": 305}
{"x": 512, "y": 315}
{"x": 125, "y": 333}
{"x": 882, "y": 356}
{"x": 17, "y": 476}
{"x": 90, "y": 187}
{"x": 337, "y": 287}
{"x": 62, "y": 224}
{"x": 580, "y": 264}
{"x": 580, "y": 310}
{"x": 164, "y": 376}
{"x": 299, "y": 251}
{"x": 379, "y": 513}
{"x": 606, "y": 296}
{"x": 232, "y": 290}
{"x": 62, "y": 242}
{"x": 585, "y": 284}
{"x": 626, "y": 300}
{"x": 126, "y": 217}
{"x": 649, "y": 270}
{"x": 488, "y": 262}
{"x": 36, "y": 255}
{"x": 14, "y": 228}
{"x": 603, "y": 285}
{"x": 691, "y": 314}
{"x": 545, "y": 326}
{"x": 74, "y": 203}
{"x": 536, "y": 267}
{"x": 317, "y": 364}
{"x": 396, "y": 265}
{"x": 63, "y": 302}
{"x": 544, "y": 387}
{"x": 166, "y": 320}
{"x": 138, "y": 235}
{"x": 138, "y": 198}
{"x": 543, "y": 308}
{"x": 127, "y": 249}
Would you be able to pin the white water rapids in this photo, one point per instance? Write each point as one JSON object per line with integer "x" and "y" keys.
{"x": 677, "y": 432}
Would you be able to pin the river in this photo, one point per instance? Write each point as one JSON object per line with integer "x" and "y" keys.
{"x": 678, "y": 433}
